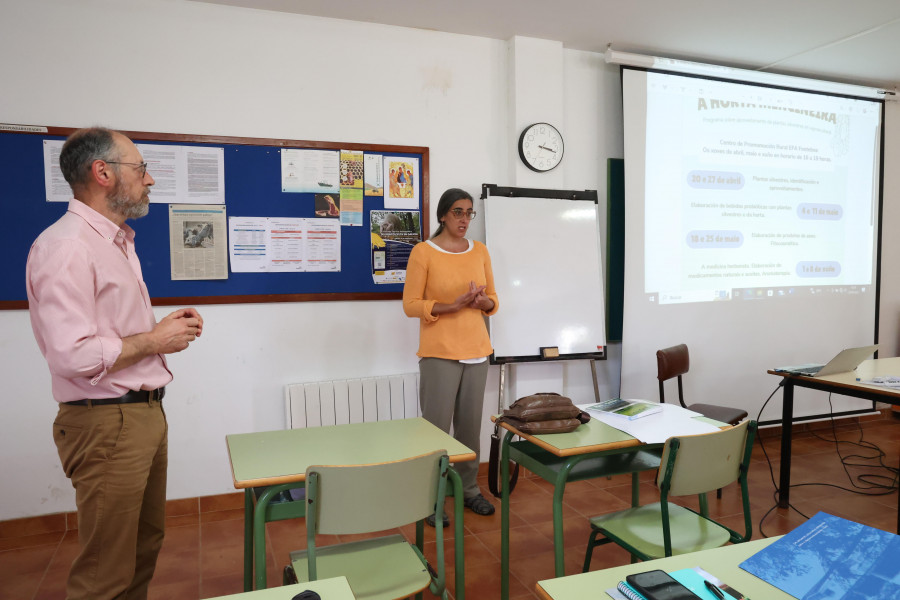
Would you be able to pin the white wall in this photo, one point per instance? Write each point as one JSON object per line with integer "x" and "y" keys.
{"x": 181, "y": 67}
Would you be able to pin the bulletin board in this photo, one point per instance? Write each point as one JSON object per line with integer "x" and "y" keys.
{"x": 252, "y": 185}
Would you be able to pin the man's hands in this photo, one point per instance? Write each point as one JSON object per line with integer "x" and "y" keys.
{"x": 172, "y": 334}
{"x": 176, "y": 330}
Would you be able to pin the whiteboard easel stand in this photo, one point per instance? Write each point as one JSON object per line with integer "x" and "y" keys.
{"x": 503, "y": 364}
{"x": 529, "y": 281}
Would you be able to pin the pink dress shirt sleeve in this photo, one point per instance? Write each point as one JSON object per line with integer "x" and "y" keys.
{"x": 64, "y": 309}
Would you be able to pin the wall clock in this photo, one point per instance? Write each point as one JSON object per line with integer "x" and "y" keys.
{"x": 541, "y": 147}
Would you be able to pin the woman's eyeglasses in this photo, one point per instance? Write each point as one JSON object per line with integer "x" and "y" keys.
{"x": 460, "y": 213}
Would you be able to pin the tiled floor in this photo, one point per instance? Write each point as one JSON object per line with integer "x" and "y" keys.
{"x": 202, "y": 555}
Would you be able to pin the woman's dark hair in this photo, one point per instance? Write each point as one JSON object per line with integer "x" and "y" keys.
{"x": 447, "y": 200}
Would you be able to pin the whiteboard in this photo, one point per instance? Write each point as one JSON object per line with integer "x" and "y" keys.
{"x": 546, "y": 257}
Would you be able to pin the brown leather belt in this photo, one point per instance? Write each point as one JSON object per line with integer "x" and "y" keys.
{"x": 131, "y": 397}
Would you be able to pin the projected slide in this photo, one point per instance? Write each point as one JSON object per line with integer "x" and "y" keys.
{"x": 754, "y": 192}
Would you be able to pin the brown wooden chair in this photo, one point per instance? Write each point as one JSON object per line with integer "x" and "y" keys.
{"x": 675, "y": 362}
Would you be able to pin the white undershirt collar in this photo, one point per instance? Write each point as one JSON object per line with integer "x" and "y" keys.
{"x": 438, "y": 248}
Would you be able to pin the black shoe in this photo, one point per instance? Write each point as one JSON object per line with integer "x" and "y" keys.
{"x": 479, "y": 505}
{"x": 446, "y": 523}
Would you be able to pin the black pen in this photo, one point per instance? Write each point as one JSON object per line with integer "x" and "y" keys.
{"x": 715, "y": 590}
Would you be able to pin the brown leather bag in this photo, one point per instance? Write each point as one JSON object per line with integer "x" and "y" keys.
{"x": 536, "y": 414}
{"x": 543, "y": 413}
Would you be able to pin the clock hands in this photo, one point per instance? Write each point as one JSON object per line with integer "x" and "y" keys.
{"x": 542, "y": 147}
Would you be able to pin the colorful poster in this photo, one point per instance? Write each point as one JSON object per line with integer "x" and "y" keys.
{"x": 351, "y": 169}
{"x": 403, "y": 182}
{"x": 351, "y": 206}
{"x": 394, "y": 233}
{"x": 328, "y": 205}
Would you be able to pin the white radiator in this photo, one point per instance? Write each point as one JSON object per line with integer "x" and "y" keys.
{"x": 352, "y": 401}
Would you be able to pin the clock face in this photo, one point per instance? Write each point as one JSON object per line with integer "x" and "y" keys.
{"x": 541, "y": 147}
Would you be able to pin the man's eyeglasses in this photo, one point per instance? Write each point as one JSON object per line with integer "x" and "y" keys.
{"x": 142, "y": 166}
{"x": 459, "y": 213}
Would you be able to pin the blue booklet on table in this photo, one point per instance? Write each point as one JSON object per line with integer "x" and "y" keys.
{"x": 830, "y": 557}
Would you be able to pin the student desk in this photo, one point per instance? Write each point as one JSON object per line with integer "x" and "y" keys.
{"x": 722, "y": 562}
{"x": 593, "y": 450}
{"x": 277, "y": 460}
{"x": 335, "y": 588}
{"x": 843, "y": 383}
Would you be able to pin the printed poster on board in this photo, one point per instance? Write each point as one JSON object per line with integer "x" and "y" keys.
{"x": 394, "y": 233}
{"x": 402, "y": 174}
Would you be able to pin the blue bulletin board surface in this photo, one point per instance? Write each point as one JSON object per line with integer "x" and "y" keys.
{"x": 252, "y": 189}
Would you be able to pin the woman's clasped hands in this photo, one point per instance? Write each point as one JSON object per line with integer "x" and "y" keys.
{"x": 474, "y": 298}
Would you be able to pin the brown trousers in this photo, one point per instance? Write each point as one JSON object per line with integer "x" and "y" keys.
{"x": 116, "y": 457}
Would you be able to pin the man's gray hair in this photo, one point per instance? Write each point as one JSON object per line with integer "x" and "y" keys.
{"x": 80, "y": 151}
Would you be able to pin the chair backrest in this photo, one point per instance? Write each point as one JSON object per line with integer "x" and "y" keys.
{"x": 366, "y": 498}
{"x": 672, "y": 362}
{"x": 694, "y": 464}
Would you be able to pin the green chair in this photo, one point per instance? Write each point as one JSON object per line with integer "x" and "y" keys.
{"x": 692, "y": 464}
{"x": 344, "y": 500}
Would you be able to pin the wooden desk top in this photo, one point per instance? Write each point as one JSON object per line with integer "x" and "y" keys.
{"x": 335, "y": 588}
{"x": 867, "y": 370}
{"x": 721, "y": 562}
{"x": 593, "y": 436}
{"x": 275, "y": 457}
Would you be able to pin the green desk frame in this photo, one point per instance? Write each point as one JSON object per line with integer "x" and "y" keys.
{"x": 595, "y": 450}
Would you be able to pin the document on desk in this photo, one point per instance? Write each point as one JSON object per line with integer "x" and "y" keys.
{"x": 831, "y": 557}
{"x": 658, "y": 427}
{"x": 890, "y": 381}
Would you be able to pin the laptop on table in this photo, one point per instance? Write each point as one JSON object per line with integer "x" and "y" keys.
{"x": 846, "y": 360}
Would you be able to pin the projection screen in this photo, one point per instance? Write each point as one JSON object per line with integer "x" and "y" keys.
{"x": 752, "y": 233}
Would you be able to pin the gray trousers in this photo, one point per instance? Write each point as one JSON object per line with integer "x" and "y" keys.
{"x": 453, "y": 392}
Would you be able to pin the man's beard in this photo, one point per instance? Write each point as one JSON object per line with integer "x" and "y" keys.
{"x": 119, "y": 202}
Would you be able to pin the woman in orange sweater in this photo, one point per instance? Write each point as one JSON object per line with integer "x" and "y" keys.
{"x": 449, "y": 288}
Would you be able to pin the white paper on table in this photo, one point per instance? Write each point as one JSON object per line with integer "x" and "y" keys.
{"x": 658, "y": 427}
{"x": 890, "y": 381}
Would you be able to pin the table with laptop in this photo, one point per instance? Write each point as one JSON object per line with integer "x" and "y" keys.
{"x": 848, "y": 374}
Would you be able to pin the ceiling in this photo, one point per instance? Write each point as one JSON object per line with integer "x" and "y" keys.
{"x": 841, "y": 40}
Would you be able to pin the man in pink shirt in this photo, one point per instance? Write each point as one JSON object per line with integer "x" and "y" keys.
{"x": 92, "y": 318}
